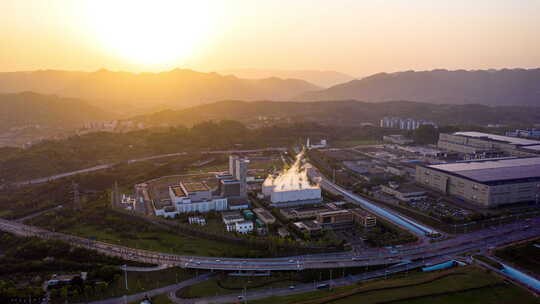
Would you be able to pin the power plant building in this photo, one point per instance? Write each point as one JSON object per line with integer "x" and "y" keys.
{"x": 238, "y": 170}
{"x": 487, "y": 183}
{"x": 291, "y": 188}
{"x": 195, "y": 197}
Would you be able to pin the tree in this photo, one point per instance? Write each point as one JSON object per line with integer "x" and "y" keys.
{"x": 64, "y": 292}
{"x": 88, "y": 290}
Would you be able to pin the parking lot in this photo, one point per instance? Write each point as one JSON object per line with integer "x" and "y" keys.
{"x": 440, "y": 209}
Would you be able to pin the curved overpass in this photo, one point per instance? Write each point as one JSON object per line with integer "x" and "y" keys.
{"x": 376, "y": 256}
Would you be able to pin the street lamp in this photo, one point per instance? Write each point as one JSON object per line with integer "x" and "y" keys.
{"x": 124, "y": 267}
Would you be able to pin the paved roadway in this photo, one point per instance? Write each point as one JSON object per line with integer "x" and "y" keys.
{"x": 374, "y": 256}
{"x": 153, "y": 292}
{"x": 108, "y": 166}
{"x": 302, "y": 288}
{"x": 22, "y": 219}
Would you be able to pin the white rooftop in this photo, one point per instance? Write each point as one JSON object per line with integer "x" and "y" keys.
{"x": 508, "y": 139}
{"x": 294, "y": 178}
{"x": 494, "y": 170}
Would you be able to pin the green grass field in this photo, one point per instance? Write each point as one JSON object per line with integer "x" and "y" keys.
{"x": 159, "y": 241}
{"x": 500, "y": 294}
{"x": 233, "y": 285}
{"x": 210, "y": 168}
{"x": 107, "y": 225}
{"x": 426, "y": 289}
{"x": 139, "y": 282}
{"x": 523, "y": 255}
{"x": 161, "y": 299}
{"x": 355, "y": 142}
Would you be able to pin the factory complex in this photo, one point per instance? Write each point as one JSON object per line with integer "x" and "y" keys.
{"x": 288, "y": 201}
{"x": 489, "y": 183}
{"x": 483, "y": 145}
{"x": 197, "y": 196}
{"x": 497, "y": 170}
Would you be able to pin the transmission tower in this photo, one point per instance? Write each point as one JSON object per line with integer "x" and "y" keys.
{"x": 115, "y": 195}
{"x": 76, "y": 196}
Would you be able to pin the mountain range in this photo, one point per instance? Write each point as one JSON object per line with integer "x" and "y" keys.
{"x": 321, "y": 78}
{"x": 27, "y": 108}
{"x": 177, "y": 88}
{"x": 490, "y": 87}
{"x": 136, "y": 93}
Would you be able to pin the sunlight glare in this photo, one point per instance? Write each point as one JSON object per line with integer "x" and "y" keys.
{"x": 151, "y": 32}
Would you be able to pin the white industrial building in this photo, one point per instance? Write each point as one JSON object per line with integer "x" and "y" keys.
{"x": 488, "y": 183}
{"x": 165, "y": 210}
{"x": 190, "y": 197}
{"x": 243, "y": 227}
{"x": 403, "y": 123}
{"x": 292, "y": 187}
{"x": 322, "y": 144}
{"x": 231, "y": 218}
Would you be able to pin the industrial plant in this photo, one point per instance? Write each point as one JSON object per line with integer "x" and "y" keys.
{"x": 292, "y": 187}
{"x": 198, "y": 196}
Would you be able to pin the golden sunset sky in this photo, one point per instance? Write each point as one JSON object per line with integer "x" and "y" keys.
{"x": 357, "y": 37}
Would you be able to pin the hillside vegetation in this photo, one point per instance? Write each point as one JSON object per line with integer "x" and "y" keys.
{"x": 349, "y": 112}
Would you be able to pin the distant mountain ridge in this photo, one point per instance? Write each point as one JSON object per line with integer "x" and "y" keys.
{"x": 176, "y": 88}
{"x": 317, "y": 77}
{"x": 29, "y": 108}
{"x": 490, "y": 87}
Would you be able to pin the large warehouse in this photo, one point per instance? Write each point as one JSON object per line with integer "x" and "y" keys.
{"x": 488, "y": 183}
{"x": 485, "y": 144}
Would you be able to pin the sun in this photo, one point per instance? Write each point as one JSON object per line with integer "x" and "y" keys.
{"x": 153, "y": 31}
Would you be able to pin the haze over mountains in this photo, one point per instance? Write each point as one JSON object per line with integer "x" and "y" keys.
{"x": 490, "y": 87}
{"x": 123, "y": 91}
{"x": 29, "y": 108}
{"x": 320, "y": 78}
{"x": 102, "y": 95}
{"x": 176, "y": 88}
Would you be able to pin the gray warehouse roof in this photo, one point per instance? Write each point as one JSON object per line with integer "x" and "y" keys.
{"x": 494, "y": 170}
{"x": 511, "y": 140}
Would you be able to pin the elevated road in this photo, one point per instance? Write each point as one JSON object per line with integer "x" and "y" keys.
{"x": 301, "y": 288}
{"x": 376, "y": 256}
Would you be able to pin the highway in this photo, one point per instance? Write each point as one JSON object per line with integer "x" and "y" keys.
{"x": 301, "y": 288}
{"x": 374, "y": 256}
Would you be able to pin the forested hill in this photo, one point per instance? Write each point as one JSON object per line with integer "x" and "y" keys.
{"x": 347, "y": 112}
{"x": 78, "y": 152}
{"x": 510, "y": 87}
{"x": 50, "y": 110}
